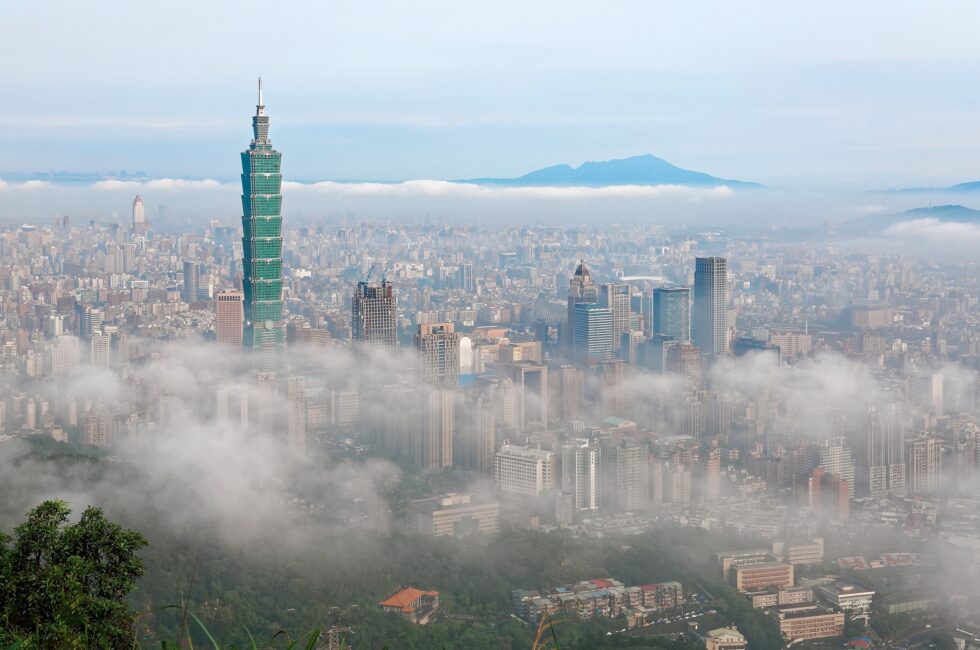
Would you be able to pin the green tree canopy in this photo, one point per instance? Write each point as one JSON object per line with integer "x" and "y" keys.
{"x": 62, "y": 585}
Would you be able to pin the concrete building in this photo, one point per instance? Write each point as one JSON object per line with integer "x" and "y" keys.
{"x": 710, "y": 318}
{"x": 616, "y": 298}
{"x": 848, "y": 598}
{"x": 671, "y": 307}
{"x": 799, "y": 551}
{"x": 453, "y": 515}
{"x": 725, "y": 638}
{"x": 526, "y": 471}
{"x": 752, "y": 577}
{"x": 581, "y": 474}
{"x": 229, "y": 317}
{"x": 438, "y": 348}
{"x": 373, "y": 315}
{"x": 805, "y": 622}
{"x": 924, "y": 472}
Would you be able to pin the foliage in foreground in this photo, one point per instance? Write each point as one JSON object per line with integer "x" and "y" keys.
{"x": 62, "y": 585}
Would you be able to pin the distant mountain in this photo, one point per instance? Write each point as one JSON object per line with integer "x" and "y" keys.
{"x": 636, "y": 170}
{"x": 972, "y": 186}
{"x": 875, "y": 223}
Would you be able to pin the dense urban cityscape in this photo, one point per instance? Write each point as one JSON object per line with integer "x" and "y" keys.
{"x": 458, "y": 432}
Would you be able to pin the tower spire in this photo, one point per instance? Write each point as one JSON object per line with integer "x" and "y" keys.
{"x": 260, "y": 107}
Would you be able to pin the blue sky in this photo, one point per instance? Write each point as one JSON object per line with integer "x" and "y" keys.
{"x": 878, "y": 94}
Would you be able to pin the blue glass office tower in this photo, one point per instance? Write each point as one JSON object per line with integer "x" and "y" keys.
{"x": 262, "y": 245}
{"x": 671, "y": 309}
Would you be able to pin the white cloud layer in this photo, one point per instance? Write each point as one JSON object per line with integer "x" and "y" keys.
{"x": 934, "y": 232}
{"x": 435, "y": 188}
{"x": 158, "y": 184}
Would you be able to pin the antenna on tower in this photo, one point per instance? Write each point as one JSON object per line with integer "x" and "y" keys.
{"x": 260, "y": 92}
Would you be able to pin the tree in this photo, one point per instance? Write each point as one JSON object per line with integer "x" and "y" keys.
{"x": 62, "y": 585}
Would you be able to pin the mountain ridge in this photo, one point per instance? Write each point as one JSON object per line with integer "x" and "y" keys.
{"x": 645, "y": 169}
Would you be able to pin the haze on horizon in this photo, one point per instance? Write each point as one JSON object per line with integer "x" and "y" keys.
{"x": 861, "y": 96}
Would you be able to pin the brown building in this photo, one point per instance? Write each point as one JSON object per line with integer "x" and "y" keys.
{"x": 725, "y": 638}
{"x": 759, "y": 576}
{"x": 229, "y": 317}
{"x": 804, "y": 622}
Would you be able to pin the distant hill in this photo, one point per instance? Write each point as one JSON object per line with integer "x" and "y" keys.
{"x": 875, "y": 223}
{"x": 636, "y": 170}
{"x": 972, "y": 186}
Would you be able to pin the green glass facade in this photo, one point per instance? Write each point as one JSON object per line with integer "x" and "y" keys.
{"x": 262, "y": 245}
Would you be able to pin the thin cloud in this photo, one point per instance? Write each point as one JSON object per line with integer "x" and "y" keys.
{"x": 26, "y": 185}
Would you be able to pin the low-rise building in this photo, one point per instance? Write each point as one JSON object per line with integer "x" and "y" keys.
{"x": 453, "y": 515}
{"x": 772, "y": 597}
{"x": 753, "y": 577}
{"x": 848, "y": 598}
{"x": 414, "y": 604}
{"x": 805, "y": 622}
{"x": 725, "y": 638}
{"x": 799, "y": 551}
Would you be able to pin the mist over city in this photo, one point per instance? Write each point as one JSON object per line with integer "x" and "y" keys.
{"x": 490, "y": 326}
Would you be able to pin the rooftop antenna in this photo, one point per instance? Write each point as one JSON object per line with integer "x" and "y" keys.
{"x": 260, "y": 107}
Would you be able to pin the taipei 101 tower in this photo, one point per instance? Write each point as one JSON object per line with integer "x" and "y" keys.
{"x": 262, "y": 246}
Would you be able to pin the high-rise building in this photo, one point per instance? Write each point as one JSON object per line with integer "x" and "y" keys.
{"x": 626, "y": 476}
{"x": 581, "y": 473}
{"x": 671, "y": 307}
{"x": 925, "y": 465}
{"x": 433, "y": 446}
{"x": 616, "y": 298}
{"x": 229, "y": 316}
{"x": 835, "y": 458}
{"x": 100, "y": 347}
{"x": 581, "y": 289}
{"x": 710, "y": 319}
{"x": 373, "y": 315}
{"x": 525, "y": 471}
{"x": 64, "y": 355}
{"x": 885, "y": 454}
{"x": 296, "y": 399}
{"x": 192, "y": 281}
{"x": 139, "y": 216}
{"x": 531, "y": 384}
{"x": 592, "y": 328}
{"x": 438, "y": 346}
{"x": 262, "y": 245}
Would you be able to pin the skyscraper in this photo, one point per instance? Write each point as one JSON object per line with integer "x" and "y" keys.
{"x": 671, "y": 307}
{"x": 296, "y": 397}
{"x": 192, "y": 281}
{"x": 438, "y": 346}
{"x": 229, "y": 317}
{"x": 592, "y": 333}
{"x": 710, "y": 319}
{"x": 373, "y": 314}
{"x": 580, "y": 473}
{"x": 262, "y": 245}
{"x": 581, "y": 289}
{"x": 139, "y": 217}
{"x": 616, "y": 298}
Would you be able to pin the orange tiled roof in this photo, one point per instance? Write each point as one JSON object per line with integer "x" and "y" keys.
{"x": 404, "y": 598}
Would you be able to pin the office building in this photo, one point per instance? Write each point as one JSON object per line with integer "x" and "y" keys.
{"x": 101, "y": 345}
{"x": 453, "y": 515}
{"x": 616, "y": 298}
{"x": 592, "y": 327}
{"x": 523, "y": 470}
{"x": 373, "y": 314}
{"x": 884, "y": 464}
{"x": 438, "y": 347}
{"x": 192, "y": 281}
{"x": 263, "y": 333}
{"x": 581, "y": 289}
{"x": 531, "y": 385}
{"x": 139, "y": 216}
{"x": 433, "y": 444}
{"x": 709, "y": 318}
{"x": 848, "y": 598}
{"x": 671, "y": 307}
{"x": 229, "y": 317}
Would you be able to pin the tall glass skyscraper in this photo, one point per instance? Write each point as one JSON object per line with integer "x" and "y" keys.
{"x": 671, "y": 307}
{"x": 262, "y": 245}
{"x": 710, "y": 317}
{"x": 592, "y": 333}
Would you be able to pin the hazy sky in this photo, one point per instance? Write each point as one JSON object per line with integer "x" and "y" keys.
{"x": 861, "y": 93}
